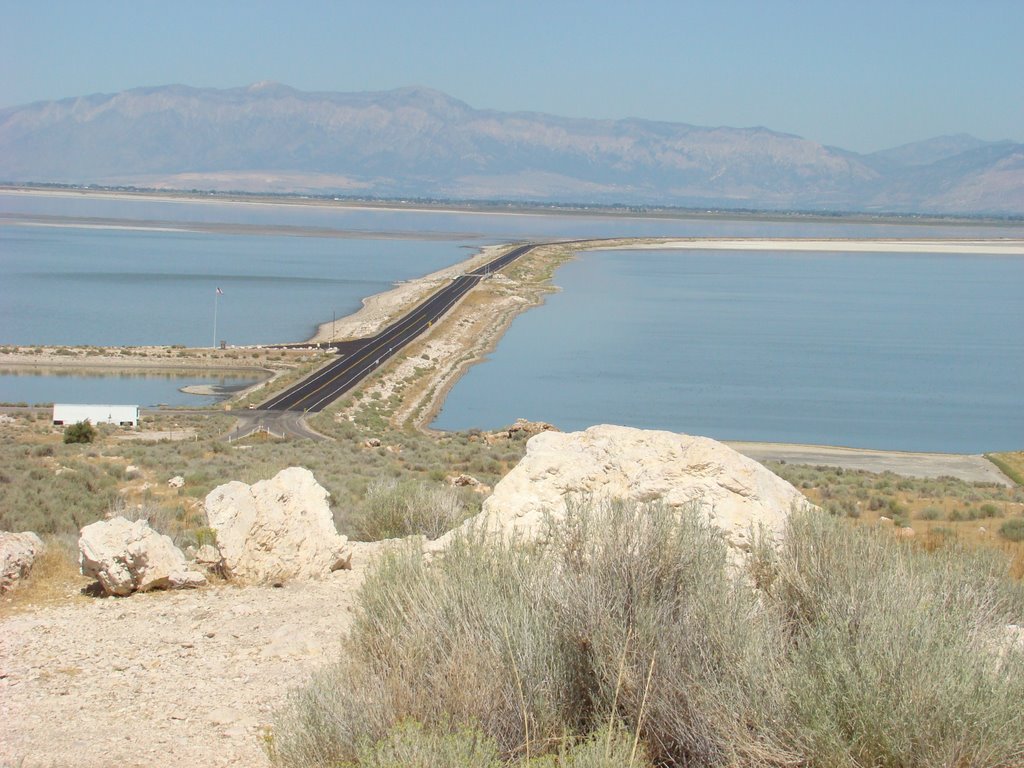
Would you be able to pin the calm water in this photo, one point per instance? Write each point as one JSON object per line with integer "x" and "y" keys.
{"x": 885, "y": 351}
{"x": 460, "y": 226}
{"x": 111, "y": 287}
{"x": 145, "y": 389}
{"x": 914, "y": 352}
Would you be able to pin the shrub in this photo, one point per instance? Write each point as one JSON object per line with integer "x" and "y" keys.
{"x": 892, "y": 650}
{"x": 393, "y": 508}
{"x": 81, "y": 432}
{"x": 628, "y": 614}
{"x": 988, "y": 510}
{"x": 410, "y": 745}
{"x": 853, "y": 649}
{"x": 1012, "y": 529}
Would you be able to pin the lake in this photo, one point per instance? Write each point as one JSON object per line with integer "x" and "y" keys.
{"x": 919, "y": 352}
{"x": 885, "y": 351}
{"x": 147, "y": 388}
{"x": 75, "y": 286}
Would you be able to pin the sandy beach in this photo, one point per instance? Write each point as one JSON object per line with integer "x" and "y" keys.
{"x": 1007, "y": 247}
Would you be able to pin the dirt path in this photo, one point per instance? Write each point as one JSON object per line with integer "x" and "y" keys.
{"x": 972, "y": 468}
{"x": 175, "y": 679}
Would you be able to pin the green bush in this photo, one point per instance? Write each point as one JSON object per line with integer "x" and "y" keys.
{"x": 81, "y": 432}
{"x": 1012, "y": 529}
{"x": 410, "y": 745}
{"x": 895, "y": 653}
{"x": 840, "y": 647}
{"x": 989, "y": 510}
{"x": 628, "y": 613}
{"x": 393, "y": 508}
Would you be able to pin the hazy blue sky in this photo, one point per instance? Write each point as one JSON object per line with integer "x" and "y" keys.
{"x": 862, "y": 75}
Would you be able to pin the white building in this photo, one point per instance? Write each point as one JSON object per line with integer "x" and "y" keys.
{"x": 122, "y": 415}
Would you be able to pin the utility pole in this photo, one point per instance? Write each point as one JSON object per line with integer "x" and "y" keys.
{"x": 216, "y": 296}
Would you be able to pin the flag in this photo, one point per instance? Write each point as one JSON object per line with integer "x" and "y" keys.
{"x": 220, "y": 292}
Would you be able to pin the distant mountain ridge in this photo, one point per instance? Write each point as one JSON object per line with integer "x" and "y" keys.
{"x": 418, "y": 142}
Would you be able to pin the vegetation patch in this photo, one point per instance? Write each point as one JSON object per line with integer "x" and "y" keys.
{"x": 1010, "y": 464}
{"x": 843, "y": 646}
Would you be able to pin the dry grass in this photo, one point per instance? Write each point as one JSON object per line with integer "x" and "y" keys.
{"x": 54, "y": 578}
{"x": 1011, "y": 464}
{"x": 941, "y": 512}
{"x": 853, "y": 649}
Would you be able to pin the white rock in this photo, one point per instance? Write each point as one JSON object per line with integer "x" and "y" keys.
{"x": 176, "y": 482}
{"x": 17, "y": 553}
{"x": 276, "y": 530}
{"x": 610, "y": 462}
{"x": 207, "y": 555}
{"x": 128, "y": 557}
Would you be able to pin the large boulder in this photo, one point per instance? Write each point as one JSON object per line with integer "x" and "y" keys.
{"x": 609, "y": 462}
{"x": 276, "y": 530}
{"x": 17, "y": 553}
{"x": 128, "y": 556}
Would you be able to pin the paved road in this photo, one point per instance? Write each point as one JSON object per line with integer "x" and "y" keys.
{"x": 325, "y": 386}
{"x": 275, "y": 423}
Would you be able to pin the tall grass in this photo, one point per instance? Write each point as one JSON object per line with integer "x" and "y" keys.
{"x": 839, "y": 648}
{"x": 394, "y": 508}
{"x": 894, "y": 652}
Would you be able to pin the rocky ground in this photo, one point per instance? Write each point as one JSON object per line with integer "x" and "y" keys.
{"x": 164, "y": 678}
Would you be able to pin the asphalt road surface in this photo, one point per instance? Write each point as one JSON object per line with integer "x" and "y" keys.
{"x": 281, "y": 424}
{"x": 325, "y": 386}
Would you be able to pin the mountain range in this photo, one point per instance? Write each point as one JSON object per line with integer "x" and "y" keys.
{"x": 417, "y": 142}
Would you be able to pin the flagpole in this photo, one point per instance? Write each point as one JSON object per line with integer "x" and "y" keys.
{"x": 216, "y": 296}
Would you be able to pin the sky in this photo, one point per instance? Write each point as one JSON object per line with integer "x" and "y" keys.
{"x": 861, "y": 75}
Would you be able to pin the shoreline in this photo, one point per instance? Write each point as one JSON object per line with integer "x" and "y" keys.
{"x": 379, "y": 309}
{"x": 507, "y": 297}
{"x": 1000, "y": 247}
{"x": 218, "y": 228}
{"x": 508, "y": 208}
{"x": 418, "y": 409}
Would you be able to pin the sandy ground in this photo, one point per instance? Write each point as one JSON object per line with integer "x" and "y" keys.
{"x": 164, "y": 359}
{"x": 971, "y": 468}
{"x": 175, "y": 679}
{"x": 1007, "y": 247}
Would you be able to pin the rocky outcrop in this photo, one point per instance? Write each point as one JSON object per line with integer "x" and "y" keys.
{"x": 610, "y": 462}
{"x": 17, "y": 553}
{"x": 276, "y": 530}
{"x": 523, "y": 428}
{"x": 126, "y": 556}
